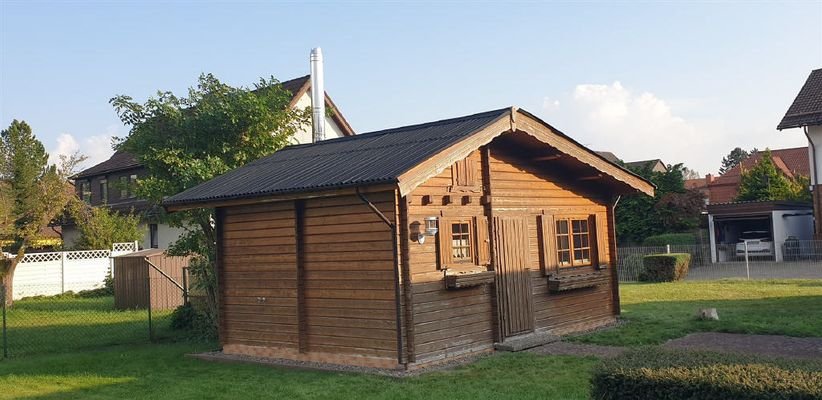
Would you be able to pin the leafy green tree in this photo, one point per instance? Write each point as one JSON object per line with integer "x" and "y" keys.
{"x": 34, "y": 192}
{"x": 100, "y": 227}
{"x": 733, "y": 159}
{"x": 764, "y": 181}
{"x": 184, "y": 141}
{"x": 672, "y": 209}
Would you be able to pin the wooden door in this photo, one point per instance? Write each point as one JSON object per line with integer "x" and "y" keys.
{"x": 513, "y": 281}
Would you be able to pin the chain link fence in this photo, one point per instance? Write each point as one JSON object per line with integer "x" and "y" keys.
{"x": 89, "y": 319}
{"x": 795, "y": 259}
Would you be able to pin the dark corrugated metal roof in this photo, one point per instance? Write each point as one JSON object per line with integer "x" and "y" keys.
{"x": 368, "y": 158}
{"x": 806, "y": 109}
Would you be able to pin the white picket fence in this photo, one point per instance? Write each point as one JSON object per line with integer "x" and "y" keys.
{"x": 48, "y": 274}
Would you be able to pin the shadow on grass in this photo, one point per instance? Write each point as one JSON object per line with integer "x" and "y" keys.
{"x": 164, "y": 372}
{"x": 655, "y": 322}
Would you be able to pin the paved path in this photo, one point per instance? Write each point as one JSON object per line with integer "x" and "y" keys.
{"x": 762, "y": 345}
{"x": 578, "y": 349}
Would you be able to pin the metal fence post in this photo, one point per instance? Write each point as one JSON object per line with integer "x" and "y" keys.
{"x": 185, "y": 285}
{"x": 747, "y": 264}
{"x": 668, "y": 249}
{"x": 5, "y": 340}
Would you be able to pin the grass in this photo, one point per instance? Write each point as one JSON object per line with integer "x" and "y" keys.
{"x": 67, "y": 323}
{"x": 80, "y": 328}
{"x": 661, "y": 311}
{"x": 163, "y": 372}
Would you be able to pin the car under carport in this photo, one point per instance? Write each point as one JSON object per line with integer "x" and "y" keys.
{"x": 776, "y": 221}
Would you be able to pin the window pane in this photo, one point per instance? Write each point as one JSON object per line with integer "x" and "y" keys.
{"x": 564, "y": 257}
{"x": 585, "y": 241}
{"x": 577, "y": 241}
{"x": 562, "y": 227}
{"x": 562, "y": 243}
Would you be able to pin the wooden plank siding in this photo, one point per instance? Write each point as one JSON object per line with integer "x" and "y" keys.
{"x": 324, "y": 293}
{"x": 522, "y": 187}
{"x": 258, "y": 277}
{"x": 445, "y": 322}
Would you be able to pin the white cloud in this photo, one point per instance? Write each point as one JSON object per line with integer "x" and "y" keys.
{"x": 97, "y": 148}
{"x": 640, "y": 126}
{"x": 550, "y": 104}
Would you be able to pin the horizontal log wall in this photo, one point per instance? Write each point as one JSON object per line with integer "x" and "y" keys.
{"x": 445, "y": 322}
{"x": 525, "y": 187}
{"x": 258, "y": 286}
{"x": 349, "y": 276}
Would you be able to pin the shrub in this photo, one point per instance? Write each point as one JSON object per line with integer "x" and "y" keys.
{"x": 670, "y": 238}
{"x": 653, "y": 373}
{"x": 194, "y": 321}
{"x": 665, "y": 267}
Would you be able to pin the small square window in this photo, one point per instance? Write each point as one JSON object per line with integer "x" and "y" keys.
{"x": 461, "y": 250}
{"x": 574, "y": 246}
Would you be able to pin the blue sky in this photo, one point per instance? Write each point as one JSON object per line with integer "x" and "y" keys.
{"x": 684, "y": 82}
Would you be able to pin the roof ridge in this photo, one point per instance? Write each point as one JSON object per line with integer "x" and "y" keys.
{"x": 381, "y": 132}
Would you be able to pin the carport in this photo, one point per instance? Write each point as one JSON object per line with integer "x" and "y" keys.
{"x": 776, "y": 221}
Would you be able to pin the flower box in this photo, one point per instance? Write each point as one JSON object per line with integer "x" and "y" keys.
{"x": 459, "y": 280}
{"x": 560, "y": 282}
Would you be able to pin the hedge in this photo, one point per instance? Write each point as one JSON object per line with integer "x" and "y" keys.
{"x": 653, "y": 373}
{"x": 670, "y": 238}
{"x": 665, "y": 267}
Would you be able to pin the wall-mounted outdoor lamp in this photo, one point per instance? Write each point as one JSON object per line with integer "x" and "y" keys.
{"x": 429, "y": 230}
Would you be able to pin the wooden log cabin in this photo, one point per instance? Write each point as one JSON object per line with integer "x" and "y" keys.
{"x": 411, "y": 245}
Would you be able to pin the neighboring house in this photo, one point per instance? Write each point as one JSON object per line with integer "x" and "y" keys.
{"x": 806, "y": 112}
{"x": 701, "y": 185}
{"x": 791, "y": 162}
{"x": 418, "y": 244}
{"x": 108, "y": 182}
{"x": 655, "y": 165}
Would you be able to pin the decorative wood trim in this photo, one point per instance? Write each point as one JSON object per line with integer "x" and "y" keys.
{"x": 545, "y": 133}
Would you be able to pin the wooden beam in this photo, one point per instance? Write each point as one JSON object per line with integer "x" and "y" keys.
{"x": 277, "y": 198}
{"x": 590, "y": 178}
{"x": 548, "y": 158}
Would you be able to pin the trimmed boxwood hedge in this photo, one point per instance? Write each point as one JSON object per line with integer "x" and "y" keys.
{"x": 653, "y": 373}
{"x": 665, "y": 267}
{"x": 669, "y": 238}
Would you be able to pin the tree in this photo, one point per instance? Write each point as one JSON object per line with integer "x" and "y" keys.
{"x": 672, "y": 209}
{"x": 688, "y": 173}
{"x": 184, "y": 141}
{"x": 765, "y": 182}
{"x": 733, "y": 159}
{"x": 34, "y": 192}
{"x": 100, "y": 227}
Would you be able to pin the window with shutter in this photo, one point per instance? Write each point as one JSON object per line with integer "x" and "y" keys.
{"x": 463, "y": 241}
{"x": 575, "y": 241}
{"x": 464, "y": 175}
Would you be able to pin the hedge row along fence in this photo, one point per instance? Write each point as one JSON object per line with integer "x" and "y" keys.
{"x": 665, "y": 267}
{"x": 652, "y": 373}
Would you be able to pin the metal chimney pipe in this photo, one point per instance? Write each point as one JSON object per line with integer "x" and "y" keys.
{"x": 317, "y": 95}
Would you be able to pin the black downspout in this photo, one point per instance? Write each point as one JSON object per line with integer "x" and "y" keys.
{"x": 397, "y": 274}
{"x": 815, "y": 182}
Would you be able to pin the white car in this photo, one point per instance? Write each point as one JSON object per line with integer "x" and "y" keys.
{"x": 759, "y": 244}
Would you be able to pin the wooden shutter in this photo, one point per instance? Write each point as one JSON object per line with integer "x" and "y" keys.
{"x": 600, "y": 230}
{"x": 482, "y": 246}
{"x": 464, "y": 173}
{"x": 444, "y": 242}
{"x": 547, "y": 243}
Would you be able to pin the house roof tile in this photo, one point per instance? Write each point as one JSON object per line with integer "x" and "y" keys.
{"x": 807, "y": 106}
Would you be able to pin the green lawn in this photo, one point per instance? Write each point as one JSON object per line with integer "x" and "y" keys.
{"x": 163, "y": 372}
{"x": 84, "y": 369}
{"x": 658, "y": 312}
{"x": 65, "y": 324}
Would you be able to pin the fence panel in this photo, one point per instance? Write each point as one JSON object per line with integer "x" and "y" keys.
{"x": 799, "y": 260}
